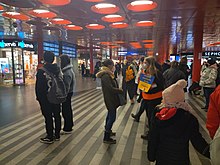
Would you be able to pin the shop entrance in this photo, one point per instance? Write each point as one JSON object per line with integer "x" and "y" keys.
{"x": 17, "y": 66}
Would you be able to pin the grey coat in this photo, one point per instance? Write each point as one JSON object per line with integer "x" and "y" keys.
{"x": 110, "y": 90}
{"x": 69, "y": 78}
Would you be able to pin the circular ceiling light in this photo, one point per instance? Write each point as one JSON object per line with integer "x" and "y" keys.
{"x": 119, "y": 25}
{"x": 73, "y": 27}
{"x": 1, "y": 8}
{"x": 94, "y": 0}
{"x": 105, "y": 8}
{"x": 95, "y": 26}
{"x": 113, "y": 18}
{"x": 145, "y": 23}
{"x": 119, "y": 42}
{"x": 55, "y": 2}
{"x": 42, "y": 13}
{"x": 141, "y": 5}
{"x": 15, "y": 15}
{"x": 60, "y": 21}
{"x": 105, "y": 43}
{"x": 147, "y": 41}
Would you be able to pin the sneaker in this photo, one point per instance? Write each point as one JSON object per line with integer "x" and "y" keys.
{"x": 109, "y": 141}
{"x": 132, "y": 101}
{"x": 56, "y": 138}
{"x": 65, "y": 132}
{"x": 135, "y": 117}
{"x": 46, "y": 140}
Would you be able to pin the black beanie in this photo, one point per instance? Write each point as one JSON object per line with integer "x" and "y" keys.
{"x": 48, "y": 57}
{"x": 211, "y": 62}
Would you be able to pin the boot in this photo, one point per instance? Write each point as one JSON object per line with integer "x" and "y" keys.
{"x": 107, "y": 138}
{"x": 137, "y": 119}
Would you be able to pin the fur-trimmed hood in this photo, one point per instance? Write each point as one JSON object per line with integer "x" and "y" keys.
{"x": 105, "y": 70}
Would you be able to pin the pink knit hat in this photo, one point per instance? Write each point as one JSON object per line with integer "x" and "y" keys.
{"x": 175, "y": 92}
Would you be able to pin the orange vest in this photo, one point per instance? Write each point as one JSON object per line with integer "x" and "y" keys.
{"x": 152, "y": 96}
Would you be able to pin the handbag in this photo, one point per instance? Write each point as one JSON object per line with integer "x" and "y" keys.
{"x": 122, "y": 100}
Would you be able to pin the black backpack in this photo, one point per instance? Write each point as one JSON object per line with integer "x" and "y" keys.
{"x": 56, "y": 88}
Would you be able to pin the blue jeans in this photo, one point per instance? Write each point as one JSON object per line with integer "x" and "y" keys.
{"x": 207, "y": 93}
{"x": 110, "y": 119}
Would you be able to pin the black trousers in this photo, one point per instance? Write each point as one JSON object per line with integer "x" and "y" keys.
{"x": 67, "y": 113}
{"x": 49, "y": 112}
{"x": 130, "y": 87}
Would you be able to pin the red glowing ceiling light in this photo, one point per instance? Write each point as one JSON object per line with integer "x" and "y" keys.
{"x": 141, "y": 5}
{"x": 145, "y": 23}
{"x": 55, "y": 2}
{"x": 148, "y": 46}
{"x": 119, "y": 42}
{"x": 105, "y": 43}
{"x": 42, "y": 13}
{"x": 15, "y": 15}
{"x": 60, "y": 21}
{"x": 95, "y": 26}
{"x": 119, "y": 25}
{"x": 113, "y": 18}
{"x": 114, "y": 46}
{"x": 1, "y": 8}
{"x": 105, "y": 8}
{"x": 147, "y": 41}
{"x": 94, "y": 0}
{"x": 136, "y": 45}
{"x": 73, "y": 27}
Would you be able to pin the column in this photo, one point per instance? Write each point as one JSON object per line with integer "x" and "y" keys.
{"x": 91, "y": 57}
{"x": 39, "y": 39}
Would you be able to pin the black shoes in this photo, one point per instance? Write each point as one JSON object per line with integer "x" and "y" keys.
{"x": 46, "y": 140}
{"x": 109, "y": 141}
{"x": 145, "y": 136}
{"x": 137, "y": 119}
{"x": 113, "y": 134}
{"x": 204, "y": 108}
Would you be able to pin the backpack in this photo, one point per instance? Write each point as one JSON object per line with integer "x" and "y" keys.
{"x": 56, "y": 88}
{"x": 129, "y": 74}
{"x": 215, "y": 148}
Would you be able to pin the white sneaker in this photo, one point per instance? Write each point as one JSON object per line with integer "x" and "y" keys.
{"x": 65, "y": 132}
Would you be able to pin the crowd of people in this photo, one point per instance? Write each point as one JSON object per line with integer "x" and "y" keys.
{"x": 160, "y": 90}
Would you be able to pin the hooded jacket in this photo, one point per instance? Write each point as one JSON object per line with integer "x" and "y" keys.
{"x": 213, "y": 115}
{"x": 208, "y": 77}
{"x": 168, "y": 143}
{"x": 69, "y": 78}
{"x": 41, "y": 86}
{"x": 110, "y": 89}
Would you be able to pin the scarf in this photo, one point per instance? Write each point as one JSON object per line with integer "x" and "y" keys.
{"x": 183, "y": 105}
{"x": 107, "y": 70}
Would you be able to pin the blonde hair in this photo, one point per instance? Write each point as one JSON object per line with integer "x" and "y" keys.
{"x": 152, "y": 69}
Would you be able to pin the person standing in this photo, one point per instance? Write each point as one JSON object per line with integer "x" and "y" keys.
{"x": 70, "y": 81}
{"x": 49, "y": 110}
{"x": 83, "y": 69}
{"x": 110, "y": 92}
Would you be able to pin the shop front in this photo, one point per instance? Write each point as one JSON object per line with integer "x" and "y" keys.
{"x": 18, "y": 62}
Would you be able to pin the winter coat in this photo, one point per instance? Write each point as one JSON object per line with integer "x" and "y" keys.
{"x": 172, "y": 75}
{"x": 69, "y": 78}
{"x": 110, "y": 89}
{"x": 208, "y": 77}
{"x": 41, "y": 86}
{"x": 168, "y": 142}
{"x": 185, "y": 69}
{"x": 213, "y": 115}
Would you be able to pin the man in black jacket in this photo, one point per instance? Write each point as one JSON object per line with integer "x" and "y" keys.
{"x": 48, "y": 109}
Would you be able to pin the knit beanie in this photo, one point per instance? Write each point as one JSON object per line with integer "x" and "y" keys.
{"x": 175, "y": 92}
{"x": 48, "y": 57}
{"x": 211, "y": 62}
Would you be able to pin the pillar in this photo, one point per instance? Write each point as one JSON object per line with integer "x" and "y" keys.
{"x": 91, "y": 57}
{"x": 39, "y": 39}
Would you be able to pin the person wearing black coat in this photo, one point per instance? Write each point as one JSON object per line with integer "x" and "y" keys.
{"x": 173, "y": 74}
{"x": 110, "y": 92}
{"x": 173, "y": 126}
{"x": 48, "y": 109}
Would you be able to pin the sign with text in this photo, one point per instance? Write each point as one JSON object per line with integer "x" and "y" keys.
{"x": 212, "y": 53}
{"x": 16, "y": 43}
{"x": 146, "y": 82}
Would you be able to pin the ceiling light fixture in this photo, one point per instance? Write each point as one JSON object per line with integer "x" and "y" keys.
{"x": 94, "y": 0}
{"x": 105, "y": 8}
{"x": 15, "y": 15}
{"x": 55, "y": 2}
{"x": 145, "y": 23}
{"x": 60, "y": 21}
{"x": 95, "y": 26}
{"x": 143, "y": 5}
{"x": 119, "y": 25}
{"x": 73, "y": 27}
{"x": 113, "y": 18}
{"x": 42, "y": 13}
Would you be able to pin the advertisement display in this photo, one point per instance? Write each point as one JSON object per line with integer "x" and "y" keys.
{"x": 4, "y": 65}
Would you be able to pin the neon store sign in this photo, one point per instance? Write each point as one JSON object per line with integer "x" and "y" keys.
{"x": 20, "y": 44}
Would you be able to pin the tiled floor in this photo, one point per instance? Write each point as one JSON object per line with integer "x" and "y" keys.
{"x": 19, "y": 138}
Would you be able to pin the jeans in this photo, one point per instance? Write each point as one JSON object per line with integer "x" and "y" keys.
{"x": 49, "y": 112}
{"x": 207, "y": 93}
{"x": 67, "y": 113}
{"x": 110, "y": 119}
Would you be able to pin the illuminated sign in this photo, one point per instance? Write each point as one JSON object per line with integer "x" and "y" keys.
{"x": 11, "y": 43}
{"x": 213, "y": 53}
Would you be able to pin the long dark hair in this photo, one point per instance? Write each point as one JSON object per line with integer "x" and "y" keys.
{"x": 65, "y": 60}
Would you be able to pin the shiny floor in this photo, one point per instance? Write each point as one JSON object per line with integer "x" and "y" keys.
{"x": 22, "y": 125}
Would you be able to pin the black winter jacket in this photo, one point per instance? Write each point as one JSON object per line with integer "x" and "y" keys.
{"x": 169, "y": 139}
{"x": 41, "y": 86}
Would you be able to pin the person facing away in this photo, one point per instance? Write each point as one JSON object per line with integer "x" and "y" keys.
{"x": 173, "y": 74}
{"x": 213, "y": 114}
{"x": 110, "y": 92}
{"x": 173, "y": 126}
{"x": 70, "y": 81}
{"x": 49, "y": 110}
{"x": 83, "y": 69}
{"x": 166, "y": 65}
